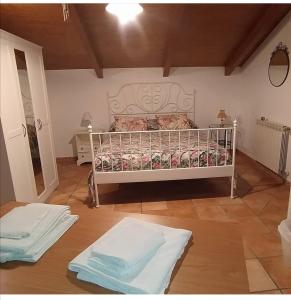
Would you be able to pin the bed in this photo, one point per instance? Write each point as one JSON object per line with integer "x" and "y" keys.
{"x": 163, "y": 144}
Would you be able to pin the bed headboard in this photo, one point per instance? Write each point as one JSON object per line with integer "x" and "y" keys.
{"x": 150, "y": 98}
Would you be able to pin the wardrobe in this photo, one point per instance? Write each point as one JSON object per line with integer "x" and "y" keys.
{"x": 25, "y": 119}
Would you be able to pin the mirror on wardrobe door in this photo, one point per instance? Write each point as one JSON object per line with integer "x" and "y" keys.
{"x": 29, "y": 127}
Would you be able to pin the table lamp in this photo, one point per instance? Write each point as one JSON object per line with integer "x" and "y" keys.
{"x": 222, "y": 116}
{"x": 86, "y": 119}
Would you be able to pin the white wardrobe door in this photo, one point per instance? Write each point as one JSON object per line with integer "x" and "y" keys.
{"x": 14, "y": 128}
{"x": 42, "y": 116}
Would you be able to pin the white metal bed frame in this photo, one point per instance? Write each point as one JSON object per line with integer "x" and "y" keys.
{"x": 147, "y": 99}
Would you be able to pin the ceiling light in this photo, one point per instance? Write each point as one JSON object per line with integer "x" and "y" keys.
{"x": 125, "y": 12}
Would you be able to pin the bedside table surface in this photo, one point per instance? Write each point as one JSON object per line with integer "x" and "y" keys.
{"x": 214, "y": 125}
{"x": 85, "y": 131}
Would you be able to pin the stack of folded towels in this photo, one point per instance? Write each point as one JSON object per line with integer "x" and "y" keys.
{"x": 27, "y": 232}
{"x": 133, "y": 257}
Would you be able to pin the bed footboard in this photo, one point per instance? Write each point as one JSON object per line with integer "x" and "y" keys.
{"x": 158, "y": 155}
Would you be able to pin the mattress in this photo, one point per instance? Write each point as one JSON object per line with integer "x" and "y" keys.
{"x": 159, "y": 150}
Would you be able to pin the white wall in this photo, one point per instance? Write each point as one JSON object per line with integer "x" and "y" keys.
{"x": 259, "y": 97}
{"x": 73, "y": 92}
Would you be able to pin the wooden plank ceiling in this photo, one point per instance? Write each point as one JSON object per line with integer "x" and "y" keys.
{"x": 164, "y": 35}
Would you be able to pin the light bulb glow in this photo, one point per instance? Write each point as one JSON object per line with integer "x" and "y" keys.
{"x": 125, "y": 12}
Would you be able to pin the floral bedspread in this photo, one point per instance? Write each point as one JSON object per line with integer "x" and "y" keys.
{"x": 145, "y": 151}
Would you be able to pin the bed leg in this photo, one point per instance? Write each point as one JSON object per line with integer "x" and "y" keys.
{"x": 93, "y": 165}
{"x": 232, "y": 187}
{"x": 96, "y": 195}
{"x": 233, "y": 182}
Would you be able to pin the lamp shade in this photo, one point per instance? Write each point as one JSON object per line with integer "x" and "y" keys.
{"x": 86, "y": 119}
{"x": 221, "y": 114}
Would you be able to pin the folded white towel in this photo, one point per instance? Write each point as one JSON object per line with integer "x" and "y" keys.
{"x": 21, "y": 221}
{"x": 154, "y": 276}
{"x": 55, "y": 213}
{"x": 126, "y": 243}
{"x": 43, "y": 244}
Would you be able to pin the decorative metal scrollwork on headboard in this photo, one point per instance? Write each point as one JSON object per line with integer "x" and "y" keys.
{"x": 147, "y": 98}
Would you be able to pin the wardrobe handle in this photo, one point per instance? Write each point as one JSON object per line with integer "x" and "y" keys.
{"x": 39, "y": 124}
{"x": 24, "y": 130}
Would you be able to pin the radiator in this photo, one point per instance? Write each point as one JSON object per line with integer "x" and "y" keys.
{"x": 271, "y": 145}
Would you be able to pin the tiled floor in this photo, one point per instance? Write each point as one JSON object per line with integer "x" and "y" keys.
{"x": 262, "y": 205}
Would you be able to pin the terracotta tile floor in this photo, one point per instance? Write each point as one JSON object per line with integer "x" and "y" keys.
{"x": 262, "y": 205}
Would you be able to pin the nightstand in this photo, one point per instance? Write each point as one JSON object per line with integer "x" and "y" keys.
{"x": 83, "y": 145}
{"x": 222, "y": 134}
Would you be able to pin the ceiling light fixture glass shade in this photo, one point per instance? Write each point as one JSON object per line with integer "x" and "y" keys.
{"x": 125, "y": 12}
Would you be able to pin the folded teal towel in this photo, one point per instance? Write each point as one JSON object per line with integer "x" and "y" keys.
{"x": 155, "y": 275}
{"x": 21, "y": 221}
{"x": 126, "y": 243}
{"x": 122, "y": 273}
{"x": 55, "y": 213}
{"x": 44, "y": 243}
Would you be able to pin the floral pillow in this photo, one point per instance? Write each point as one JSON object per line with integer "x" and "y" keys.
{"x": 173, "y": 121}
{"x": 124, "y": 123}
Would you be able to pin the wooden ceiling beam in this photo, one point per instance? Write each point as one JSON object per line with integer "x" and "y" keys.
{"x": 270, "y": 17}
{"x": 166, "y": 71}
{"x": 175, "y": 21}
{"x": 76, "y": 19}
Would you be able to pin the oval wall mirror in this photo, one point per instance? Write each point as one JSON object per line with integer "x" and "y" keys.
{"x": 279, "y": 65}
